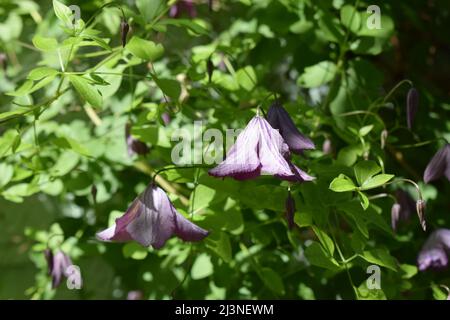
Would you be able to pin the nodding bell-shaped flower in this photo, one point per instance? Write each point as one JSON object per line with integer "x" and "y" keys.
{"x": 420, "y": 208}
{"x": 259, "y": 149}
{"x": 412, "y": 105}
{"x": 134, "y": 146}
{"x": 151, "y": 220}
{"x": 280, "y": 119}
{"x": 402, "y": 209}
{"x": 124, "y": 28}
{"x": 57, "y": 266}
{"x": 439, "y": 165}
{"x": 183, "y": 6}
{"x": 290, "y": 210}
{"x": 434, "y": 253}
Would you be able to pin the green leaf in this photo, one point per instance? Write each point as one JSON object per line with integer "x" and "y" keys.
{"x": 144, "y": 49}
{"x": 6, "y": 174}
{"x": 246, "y": 78}
{"x": 41, "y": 72}
{"x": 325, "y": 240}
{"x": 318, "y": 74}
{"x": 365, "y": 170}
{"x": 24, "y": 89}
{"x": 149, "y": 9}
{"x": 189, "y": 24}
{"x": 86, "y": 91}
{"x": 376, "y": 181}
{"x": 272, "y": 280}
{"x": 171, "y": 88}
{"x": 408, "y": 271}
{"x": 63, "y": 13}
{"x": 203, "y": 197}
{"x": 365, "y": 130}
{"x": 350, "y": 18}
{"x": 364, "y": 293}
{"x": 69, "y": 143}
{"x": 342, "y": 184}
{"x": 219, "y": 242}
{"x": 134, "y": 251}
{"x": 364, "y": 200}
{"x": 317, "y": 256}
{"x": 380, "y": 257}
{"x": 44, "y": 44}
{"x": 202, "y": 267}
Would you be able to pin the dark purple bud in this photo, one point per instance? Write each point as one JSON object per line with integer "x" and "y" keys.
{"x": 259, "y": 149}
{"x": 439, "y": 165}
{"x": 135, "y": 295}
{"x": 124, "y": 28}
{"x": 434, "y": 252}
{"x": 94, "y": 193}
{"x": 383, "y": 138}
{"x": 151, "y": 220}
{"x": 290, "y": 210}
{"x": 327, "y": 147}
{"x": 49, "y": 258}
{"x": 134, "y": 146}
{"x": 280, "y": 119}
{"x": 209, "y": 69}
{"x": 420, "y": 207}
{"x": 412, "y": 105}
{"x": 3, "y": 61}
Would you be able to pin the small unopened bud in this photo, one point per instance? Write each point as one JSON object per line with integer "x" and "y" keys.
{"x": 290, "y": 210}
{"x": 383, "y": 138}
{"x": 209, "y": 69}
{"x": 124, "y": 28}
{"x": 420, "y": 207}
{"x": 94, "y": 193}
{"x": 3, "y": 61}
{"x": 412, "y": 105}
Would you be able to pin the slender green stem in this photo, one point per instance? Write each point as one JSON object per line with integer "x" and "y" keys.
{"x": 386, "y": 98}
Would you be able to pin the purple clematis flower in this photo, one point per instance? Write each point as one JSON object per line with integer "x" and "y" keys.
{"x": 57, "y": 265}
{"x": 151, "y": 220}
{"x": 183, "y": 6}
{"x": 280, "y": 119}
{"x": 134, "y": 146}
{"x": 259, "y": 149}
{"x": 439, "y": 165}
{"x": 434, "y": 253}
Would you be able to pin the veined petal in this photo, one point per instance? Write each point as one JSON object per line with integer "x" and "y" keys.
{"x": 279, "y": 119}
{"x": 434, "y": 252}
{"x": 438, "y": 165}
{"x": 270, "y": 150}
{"x": 186, "y": 230}
{"x": 242, "y": 160}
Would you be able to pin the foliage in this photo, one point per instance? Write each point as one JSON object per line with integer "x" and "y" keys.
{"x": 69, "y": 89}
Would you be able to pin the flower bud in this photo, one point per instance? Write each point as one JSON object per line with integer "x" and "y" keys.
{"x": 290, "y": 210}
{"x": 124, "y": 28}
{"x": 412, "y": 105}
{"x": 3, "y": 61}
{"x": 209, "y": 69}
{"x": 420, "y": 207}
